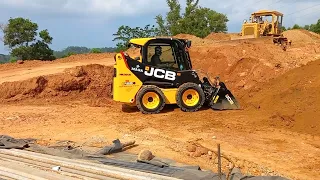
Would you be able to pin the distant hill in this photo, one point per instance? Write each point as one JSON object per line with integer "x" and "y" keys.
{"x": 67, "y": 52}
{"x": 81, "y": 50}
{"x": 4, "y": 58}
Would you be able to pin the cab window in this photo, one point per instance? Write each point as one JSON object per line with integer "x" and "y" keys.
{"x": 162, "y": 55}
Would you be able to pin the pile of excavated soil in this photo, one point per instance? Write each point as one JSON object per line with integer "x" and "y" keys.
{"x": 218, "y": 37}
{"x": 244, "y": 64}
{"x": 91, "y": 83}
{"x": 186, "y": 36}
{"x": 78, "y": 57}
{"x": 195, "y": 40}
{"x": 301, "y": 36}
{"x": 72, "y": 58}
{"x": 292, "y": 99}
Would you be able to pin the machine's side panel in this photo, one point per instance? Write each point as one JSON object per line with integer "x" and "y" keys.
{"x": 170, "y": 95}
{"x": 125, "y": 83}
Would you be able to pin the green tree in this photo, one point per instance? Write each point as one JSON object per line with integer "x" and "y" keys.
{"x": 196, "y": 20}
{"x": 315, "y": 27}
{"x": 306, "y": 27}
{"x": 163, "y": 29}
{"x": 13, "y": 59}
{"x": 296, "y": 26}
{"x": 69, "y": 54}
{"x": 125, "y": 33}
{"x": 2, "y": 27}
{"x": 283, "y": 28}
{"x": 20, "y": 35}
{"x": 96, "y": 50}
{"x": 172, "y": 18}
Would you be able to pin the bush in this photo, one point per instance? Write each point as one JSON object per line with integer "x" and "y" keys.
{"x": 96, "y": 50}
{"x": 69, "y": 54}
{"x": 13, "y": 59}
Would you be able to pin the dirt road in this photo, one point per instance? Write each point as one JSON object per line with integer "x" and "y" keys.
{"x": 257, "y": 149}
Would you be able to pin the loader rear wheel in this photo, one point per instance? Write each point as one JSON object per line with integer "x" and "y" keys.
{"x": 190, "y": 97}
{"x": 150, "y": 99}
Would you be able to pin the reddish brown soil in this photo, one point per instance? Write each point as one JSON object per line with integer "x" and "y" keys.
{"x": 301, "y": 36}
{"x": 277, "y": 132}
{"x": 90, "y": 83}
{"x": 218, "y": 37}
{"x": 292, "y": 99}
{"x": 242, "y": 64}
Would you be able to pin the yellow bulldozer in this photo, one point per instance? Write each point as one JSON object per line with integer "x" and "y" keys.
{"x": 265, "y": 23}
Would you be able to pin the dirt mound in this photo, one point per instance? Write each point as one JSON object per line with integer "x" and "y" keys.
{"x": 91, "y": 83}
{"x": 292, "y": 99}
{"x": 72, "y": 58}
{"x": 186, "y": 36}
{"x": 241, "y": 65}
{"x": 195, "y": 40}
{"x": 77, "y": 57}
{"x": 218, "y": 37}
{"x": 301, "y": 36}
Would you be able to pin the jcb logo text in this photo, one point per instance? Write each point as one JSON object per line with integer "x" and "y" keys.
{"x": 161, "y": 74}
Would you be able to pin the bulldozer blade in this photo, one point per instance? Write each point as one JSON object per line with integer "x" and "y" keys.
{"x": 223, "y": 99}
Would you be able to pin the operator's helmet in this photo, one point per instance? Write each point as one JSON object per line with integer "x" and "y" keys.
{"x": 158, "y": 50}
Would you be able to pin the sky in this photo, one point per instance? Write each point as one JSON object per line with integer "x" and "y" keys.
{"x": 91, "y": 23}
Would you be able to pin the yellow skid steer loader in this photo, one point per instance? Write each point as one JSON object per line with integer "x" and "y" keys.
{"x": 163, "y": 74}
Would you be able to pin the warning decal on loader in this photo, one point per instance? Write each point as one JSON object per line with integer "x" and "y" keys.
{"x": 216, "y": 99}
{"x": 229, "y": 99}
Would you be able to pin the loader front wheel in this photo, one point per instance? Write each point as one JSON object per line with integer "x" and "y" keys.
{"x": 150, "y": 100}
{"x": 190, "y": 97}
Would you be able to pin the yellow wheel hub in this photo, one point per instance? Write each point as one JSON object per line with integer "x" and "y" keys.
{"x": 190, "y": 97}
{"x": 151, "y": 100}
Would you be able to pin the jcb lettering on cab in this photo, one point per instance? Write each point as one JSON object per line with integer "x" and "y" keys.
{"x": 161, "y": 74}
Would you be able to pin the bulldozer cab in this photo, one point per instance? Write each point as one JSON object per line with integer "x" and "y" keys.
{"x": 166, "y": 53}
{"x": 263, "y": 23}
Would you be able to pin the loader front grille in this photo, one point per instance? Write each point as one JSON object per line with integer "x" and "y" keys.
{"x": 249, "y": 31}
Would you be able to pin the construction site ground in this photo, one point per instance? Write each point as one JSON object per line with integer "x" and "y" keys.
{"x": 277, "y": 131}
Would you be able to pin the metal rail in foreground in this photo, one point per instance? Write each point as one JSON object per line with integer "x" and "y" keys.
{"x": 21, "y": 164}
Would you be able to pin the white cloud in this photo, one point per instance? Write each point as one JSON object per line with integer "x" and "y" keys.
{"x": 236, "y": 10}
{"x": 106, "y": 8}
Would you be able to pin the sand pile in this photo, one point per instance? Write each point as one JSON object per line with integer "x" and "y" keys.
{"x": 218, "y": 37}
{"x": 301, "y": 36}
{"x": 91, "y": 83}
{"x": 292, "y": 99}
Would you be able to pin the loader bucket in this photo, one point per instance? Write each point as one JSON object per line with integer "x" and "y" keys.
{"x": 223, "y": 99}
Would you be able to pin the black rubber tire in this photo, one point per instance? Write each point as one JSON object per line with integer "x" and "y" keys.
{"x": 180, "y": 92}
{"x": 150, "y": 88}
